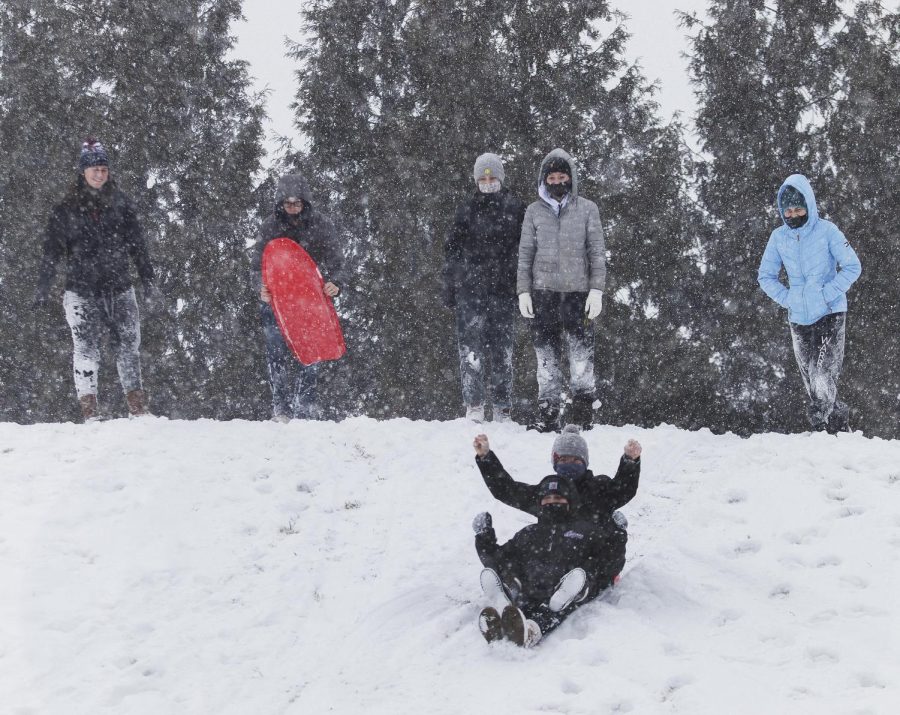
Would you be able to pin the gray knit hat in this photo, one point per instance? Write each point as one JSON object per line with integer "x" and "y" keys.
{"x": 570, "y": 443}
{"x": 489, "y": 165}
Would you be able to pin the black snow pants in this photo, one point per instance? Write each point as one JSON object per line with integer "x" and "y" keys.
{"x": 819, "y": 350}
{"x": 559, "y": 321}
{"x": 484, "y": 328}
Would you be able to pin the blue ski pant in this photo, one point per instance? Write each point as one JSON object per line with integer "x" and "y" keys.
{"x": 294, "y": 393}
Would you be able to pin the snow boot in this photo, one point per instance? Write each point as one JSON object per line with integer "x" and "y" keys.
{"x": 494, "y": 591}
{"x": 838, "y": 421}
{"x": 88, "y": 405}
{"x": 571, "y": 586}
{"x": 520, "y": 630}
{"x": 490, "y": 624}
{"x": 582, "y": 411}
{"x": 137, "y": 403}
{"x": 475, "y": 413}
{"x": 548, "y": 418}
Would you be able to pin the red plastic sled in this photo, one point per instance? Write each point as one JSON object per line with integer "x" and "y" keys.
{"x": 305, "y": 315}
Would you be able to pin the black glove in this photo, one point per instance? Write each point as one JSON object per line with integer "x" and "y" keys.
{"x": 154, "y": 298}
{"x": 39, "y": 302}
{"x": 482, "y": 523}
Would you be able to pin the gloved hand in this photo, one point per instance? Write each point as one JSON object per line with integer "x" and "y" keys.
{"x": 482, "y": 523}
{"x": 525, "y": 306}
{"x": 39, "y": 302}
{"x": 154, "y": 298}
{"x": 594, "y": 303}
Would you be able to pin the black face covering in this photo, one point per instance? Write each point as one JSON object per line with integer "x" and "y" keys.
{"x": 554, "y": 513}
{"x": 558, "y": 191}
{"x": 796, "y": 222}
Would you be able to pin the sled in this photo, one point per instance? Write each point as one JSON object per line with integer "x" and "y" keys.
{"x": 305, "y": 315}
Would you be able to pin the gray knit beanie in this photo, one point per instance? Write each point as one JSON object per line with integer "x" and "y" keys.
{"x": 489, "y": 165}
{"x": 570, "y": 443}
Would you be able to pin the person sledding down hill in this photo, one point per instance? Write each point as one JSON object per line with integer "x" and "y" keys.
{"x": 574, "y": 552}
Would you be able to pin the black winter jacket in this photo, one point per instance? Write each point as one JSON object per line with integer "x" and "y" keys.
{"x": 598, "y": 495}
{"x": 481, "y": 249}
{"x": 99, "y": 234}
{"x": 541, "y": 554}
{"x": 312, "y": 231}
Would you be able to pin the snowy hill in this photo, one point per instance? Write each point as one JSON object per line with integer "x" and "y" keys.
{"x": 200, "y": 567}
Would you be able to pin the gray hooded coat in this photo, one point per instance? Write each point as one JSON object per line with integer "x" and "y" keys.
{"x": 564, "y": 253}
{"x": 313, "y": 231}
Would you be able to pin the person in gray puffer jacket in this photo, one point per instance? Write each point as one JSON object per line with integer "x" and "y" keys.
{"x": 294, "y": 393}
{"x": 561, "y": 276}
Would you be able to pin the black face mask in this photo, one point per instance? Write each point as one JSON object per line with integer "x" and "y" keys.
{"x": 557, "y": 191}
{"x": 796, "y": 222}
{"x": 554, "y": 513}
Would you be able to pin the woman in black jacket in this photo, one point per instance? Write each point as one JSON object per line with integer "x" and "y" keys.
{"x": 96, "y": 228}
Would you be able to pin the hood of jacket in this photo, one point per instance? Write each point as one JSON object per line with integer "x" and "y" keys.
{"x": 564, "y": 155}
{"x": 801, "y": 183}
{"x": 292, "y": 185}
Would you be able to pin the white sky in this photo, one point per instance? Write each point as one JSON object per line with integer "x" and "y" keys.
{"x": 657, "y": 42}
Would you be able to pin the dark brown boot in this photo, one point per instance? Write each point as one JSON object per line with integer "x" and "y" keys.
{"x": 88, "y": 407}
{"x": 137, "y": 402}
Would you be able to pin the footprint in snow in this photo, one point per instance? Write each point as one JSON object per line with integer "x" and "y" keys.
{"x": 781, "y": 590}
{"x": 727, "y": 616}
{"x": 829, "y": 560}
{"x": 570, "y": 687}
{"x": 847, "y": 511}
{"x": 870, "y": 680}
{"x": 675, "y": 684}
{"x": 836, "y": 495}
{"x": 747, "y": 547}
{"x": 735, "y": 496}
{"x": 822, "y": 655}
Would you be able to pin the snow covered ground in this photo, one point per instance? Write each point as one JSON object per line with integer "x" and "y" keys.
{"x": 165, "y": 567}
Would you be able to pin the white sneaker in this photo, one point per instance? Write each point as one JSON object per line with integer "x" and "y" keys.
{"x": 493, "y": 590}
{"x": 570, "y": 587}
{"x": 475, "y": 413}
{"x": 520, "y": 630}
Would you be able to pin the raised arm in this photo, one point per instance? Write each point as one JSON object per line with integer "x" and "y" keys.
{"x": 501, "y": 485}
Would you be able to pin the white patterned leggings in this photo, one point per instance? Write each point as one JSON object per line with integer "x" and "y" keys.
{"x": 91, "y": 318}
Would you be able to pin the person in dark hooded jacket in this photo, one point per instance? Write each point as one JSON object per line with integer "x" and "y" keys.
{"x": 294, "y": 393}
{"x": 546, "y": 570}
{"x": 821, "y": 265}
{"x": 96, "y": 229}
{"x": 480, "y": 286}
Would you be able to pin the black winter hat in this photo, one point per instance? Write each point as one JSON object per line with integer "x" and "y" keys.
{"x": 557, "y": 164}
{"x": 792, "y": 198}
{"x": 557, "y": 485}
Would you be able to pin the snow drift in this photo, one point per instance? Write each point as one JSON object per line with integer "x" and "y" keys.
{"x": 158, "y": 567}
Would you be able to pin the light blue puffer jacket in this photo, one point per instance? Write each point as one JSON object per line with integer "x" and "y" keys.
{"x": 819, "y": 261}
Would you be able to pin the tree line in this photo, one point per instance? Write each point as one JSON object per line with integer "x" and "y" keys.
{"x": 394, "y": 101}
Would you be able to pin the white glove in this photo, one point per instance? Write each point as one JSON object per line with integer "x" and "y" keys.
{"x": 525, "y": 306}
{"x": 594, "y": 303}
